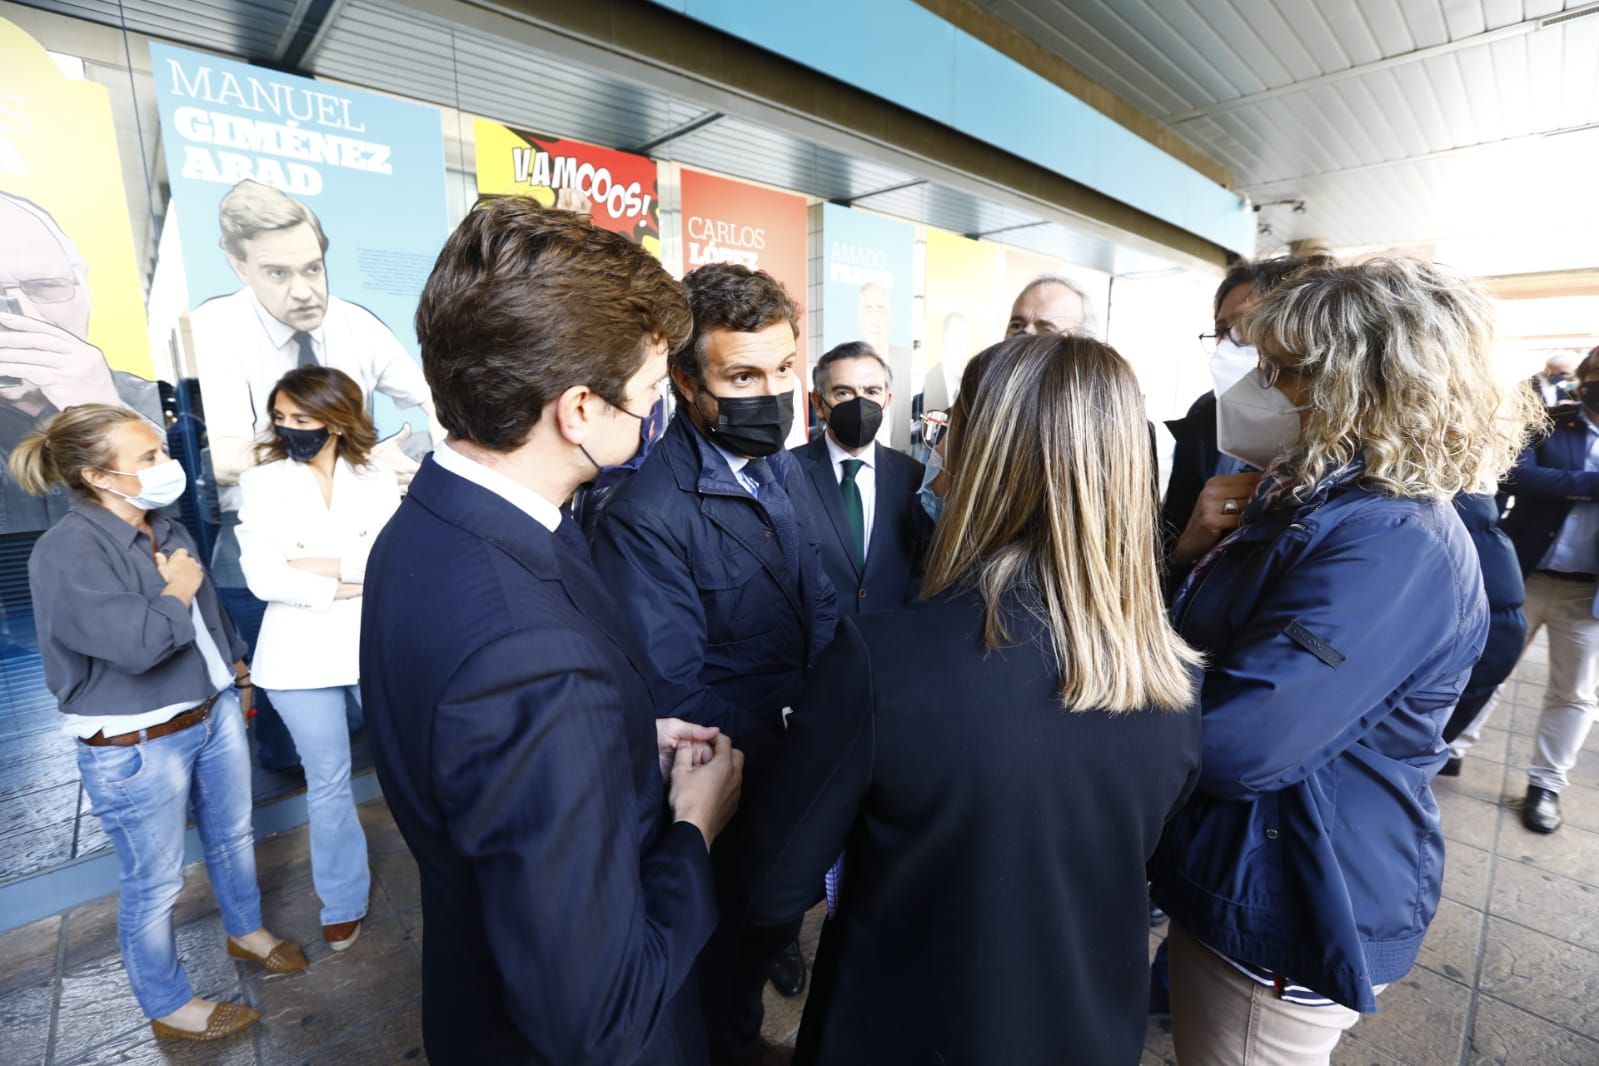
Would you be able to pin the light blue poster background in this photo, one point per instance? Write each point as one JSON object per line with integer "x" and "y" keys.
{"x": 382, "y": 207}
{"x": 861, "y": 249}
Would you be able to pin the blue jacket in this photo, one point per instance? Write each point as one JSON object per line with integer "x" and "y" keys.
{"x": 901, "y": 530}
{"x": 1339, "y": 636}
{"x": 1501, "y": 581}
{"x": 514, "y": 735}
{"x": 706, "y": 586}
{"x": 1550, "y": 476}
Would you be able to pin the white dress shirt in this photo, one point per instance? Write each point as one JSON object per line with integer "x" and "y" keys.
{"x": 737, "y": 463}
{"x": 517, "y": 495}
{"x": 865, "y": 479}
{"x": 81, "y": 725}
{"x": 241, "y": 351}
{"x": 308, "y": 638}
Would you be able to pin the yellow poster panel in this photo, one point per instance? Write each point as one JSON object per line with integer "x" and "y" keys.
{"x": 616, "y": 190}
{"x": 67, "y": 265}
{"x": 966, "y": 306}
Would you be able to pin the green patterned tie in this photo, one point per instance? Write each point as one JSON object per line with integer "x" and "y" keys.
{"x": 854, "y": 510}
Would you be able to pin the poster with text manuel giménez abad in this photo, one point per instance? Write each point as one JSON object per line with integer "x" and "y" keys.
{"x": 309, "y": 215}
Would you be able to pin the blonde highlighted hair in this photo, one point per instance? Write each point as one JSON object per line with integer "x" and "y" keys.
{"x": 75, "y": 440}
{"x": 1396, "y": 357}
{"x": 1053, "y": 511}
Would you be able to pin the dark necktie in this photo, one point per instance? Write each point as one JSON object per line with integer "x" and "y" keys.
{"x": 307, "y": 351}
{"x": 854, "y": 508}
{"x": 779, "y": 510}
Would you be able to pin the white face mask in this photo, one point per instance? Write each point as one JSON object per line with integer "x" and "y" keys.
{"x": 159, "y": 485}
{"x": 1253, "y": 425}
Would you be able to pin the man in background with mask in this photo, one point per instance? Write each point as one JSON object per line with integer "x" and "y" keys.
{"x": 1209, "y": 482}
{"x": 873, "y": 529}
{"x": 513, "y": 725}
{"x": 1555, "y": 528}
{"x": 1554, "y": 383}
{"x": 710, "y": 551}
{"x": 1051, "y": 303}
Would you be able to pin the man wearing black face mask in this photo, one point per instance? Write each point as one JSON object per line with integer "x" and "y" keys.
{"x": 710, "y": 550}
{"x": 873, "y": 531}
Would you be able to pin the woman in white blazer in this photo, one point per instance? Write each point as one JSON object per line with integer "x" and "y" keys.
{"x": 309, "y": 514}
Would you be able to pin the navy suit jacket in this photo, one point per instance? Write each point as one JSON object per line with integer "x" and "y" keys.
{"x": 901, "y": 530}
{"x": 514, "y": 736}
{"x": 729, "y": 632}
{"x": 1550, "y": 476}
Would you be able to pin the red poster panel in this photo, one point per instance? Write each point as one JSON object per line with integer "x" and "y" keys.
{"x": 727, "y": 221}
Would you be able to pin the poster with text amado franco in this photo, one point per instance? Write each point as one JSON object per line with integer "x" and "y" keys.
{"x": 309, "y": 215}
{"x": 617, "y": 190}
{"x": 866, "y": 296}
{"x": 72, "y": 326}
{"x": 728, "y": 221}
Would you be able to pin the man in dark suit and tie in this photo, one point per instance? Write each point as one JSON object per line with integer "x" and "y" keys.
{"x": 710, "y": 550}
{"x": 510, "y": 711}
{"x": 873, "y": 529}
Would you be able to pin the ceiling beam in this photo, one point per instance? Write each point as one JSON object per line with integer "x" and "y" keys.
{"x": 1516, "y": 29}
{"x": 681, "y": 131}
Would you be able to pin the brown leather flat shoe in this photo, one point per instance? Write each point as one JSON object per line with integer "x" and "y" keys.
{"x": 341, "y": 935}
{"x": 285, "y": 958}
{"x": 226, "y": 1019}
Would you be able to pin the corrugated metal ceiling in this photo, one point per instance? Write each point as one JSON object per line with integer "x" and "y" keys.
{"x": 1381, "y": 114}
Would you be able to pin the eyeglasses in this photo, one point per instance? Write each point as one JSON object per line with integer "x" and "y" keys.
{"x": 933, "y": 427}
{"x": 44, "y": 290}
{"x": 1211, "y": 341}
{"x": 1269, "y": 372}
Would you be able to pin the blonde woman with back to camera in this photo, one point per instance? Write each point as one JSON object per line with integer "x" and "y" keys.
{"x": 149, "y": 674}
{"x": 996, "y": 762}
{"x": 309, "y": 514}
{"x": 1341, "y": 618}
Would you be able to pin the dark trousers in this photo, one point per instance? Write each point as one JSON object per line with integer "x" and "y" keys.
{"x": 733, "y": 966}
{"x": 274, "y": 748}
{"x": 1466, "y": 710}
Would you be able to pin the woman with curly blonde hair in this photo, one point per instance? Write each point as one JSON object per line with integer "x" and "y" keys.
{"x": 1341, "y": 619}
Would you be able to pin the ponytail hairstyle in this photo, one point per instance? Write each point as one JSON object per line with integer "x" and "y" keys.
{"x": 73, "y": 441}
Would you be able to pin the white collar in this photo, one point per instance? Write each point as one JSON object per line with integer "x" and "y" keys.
{"x": 278, "y": 332}
{"x": 517, "y": 495}
{"x": 837, "y": 453}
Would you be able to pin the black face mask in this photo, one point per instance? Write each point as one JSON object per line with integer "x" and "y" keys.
{"x": 1589, "y": 391}
{"x": 754, "y": 426}
{"x": 302, "y": 445}
{"x": 855, "y": 422}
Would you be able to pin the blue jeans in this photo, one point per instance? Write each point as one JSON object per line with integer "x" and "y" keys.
{"x": 142, "y": 795}
{"x": 273, "y": 747}
{"x": 316, "y": 719}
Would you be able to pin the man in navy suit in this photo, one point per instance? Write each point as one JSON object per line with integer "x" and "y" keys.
{"x": 1555, "y": 528}
{"x": 510, "y": 711}
{"x": 710, "y": 550}
{"x": 873, "y": 530}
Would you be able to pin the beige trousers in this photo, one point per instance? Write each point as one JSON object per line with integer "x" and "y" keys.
{"x": 1222, "y": 1018}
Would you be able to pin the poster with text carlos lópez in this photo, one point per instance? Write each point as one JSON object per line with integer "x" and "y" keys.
{"x": 309, "y": 215}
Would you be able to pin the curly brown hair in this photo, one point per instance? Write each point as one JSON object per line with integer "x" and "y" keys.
{"x": 331, "y": 397}
{"x": 526, "y": 302}
{"x": 732, "y": 297}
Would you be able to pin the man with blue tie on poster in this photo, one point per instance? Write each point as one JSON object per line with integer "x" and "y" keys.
{"x": 510, "y": 711}
{"x": 867, "y": 490}
{"x": 711, "y": 551}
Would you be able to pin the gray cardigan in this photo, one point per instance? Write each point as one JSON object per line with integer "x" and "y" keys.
{"x": 112, "y": 644}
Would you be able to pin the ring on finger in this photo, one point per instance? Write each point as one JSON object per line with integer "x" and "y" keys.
{"x": 1230, "y": 507}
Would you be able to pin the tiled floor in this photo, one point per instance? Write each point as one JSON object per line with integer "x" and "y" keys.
{"x": 1509, "y": 973}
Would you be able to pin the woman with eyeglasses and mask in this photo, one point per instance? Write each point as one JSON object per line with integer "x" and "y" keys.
{"x": 997, "y": 761}
{"x": 310, "y": 512}
{"x": 1340, "y": 621}
{"x": 149, "y": 675}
